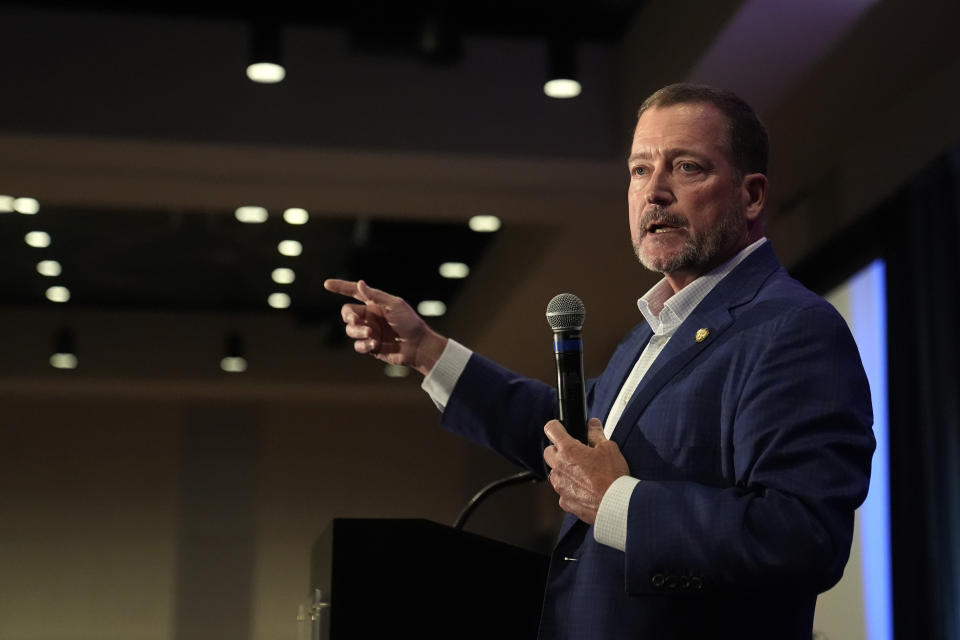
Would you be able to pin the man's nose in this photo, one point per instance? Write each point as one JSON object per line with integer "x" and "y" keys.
{"x": 659, "y": 190}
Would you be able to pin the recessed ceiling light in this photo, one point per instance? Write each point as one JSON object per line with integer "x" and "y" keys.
{"x": 38, "y": 239}
{"x": 290, "y": 248}
{"x": 454, "y": 270}
{"x": 266, "y": 72}
{"x": 6, "y": 204}
{"x": 49, "y": 268}
{"x": 64, "y": 361}
{"x": 484, "y": 224}
{"x": 431, "y": 308}
{"x": 283, "y": 275}
{"x": 26, "y": 206}
{"x": 562, "y": 88}
{"x": 278, "y": 300}
{"x": 296, "y": 216}
{"x": 396, "y": 371}
{"x": 251, "y": 214}
{"x": 58, "y": 294}
{"x": 234, "y": 364}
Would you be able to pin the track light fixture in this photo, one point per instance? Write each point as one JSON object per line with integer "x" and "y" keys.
{"x": 266, "y": 53}
{"x": 64, "y": 350}
{"x": 233, "y": 357}
{"x": 561, "y": 69}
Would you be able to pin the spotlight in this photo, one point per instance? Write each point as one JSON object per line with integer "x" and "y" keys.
{"x": 296, "y": 215}
{"x": 283, "y": 275}
{"x": 396, "y": 371}
{"x": 561, "y": 71}
{"x": 290, "y": 248}
{"x": 233, "y": 360}
{"x": 454, "y": 270}
{"x": 37, "y": 239}
{"x": 266, "y": 66}
{"x": 64, "y": 350}
{"x": 484, "y": 224}
{"x": 58, "y": 294}
{"x": 278, "y": 300}
{"x": 26, "y": 206}
{"x": 49, "y": 268}
{"x": 431, "y": 308}
{"x": 251, "y": 214}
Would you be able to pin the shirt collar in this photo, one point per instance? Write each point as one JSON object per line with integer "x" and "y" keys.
{"x": 665, "y": 310}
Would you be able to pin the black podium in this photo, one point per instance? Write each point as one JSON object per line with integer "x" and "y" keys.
{"x": 419, "y": 579}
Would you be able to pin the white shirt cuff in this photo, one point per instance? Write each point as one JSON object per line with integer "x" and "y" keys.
{"x": 441, "y": 380}
{"x": 611, "y": 526}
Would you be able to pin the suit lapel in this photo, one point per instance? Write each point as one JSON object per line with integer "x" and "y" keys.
{"x": 712, "y": 314}
{"x": 680, "y": 350}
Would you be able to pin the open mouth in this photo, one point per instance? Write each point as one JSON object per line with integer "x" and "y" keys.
{"x": 661, "y": 228}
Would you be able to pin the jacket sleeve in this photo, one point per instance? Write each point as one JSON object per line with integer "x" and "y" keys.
{"x": 497, "y": 408}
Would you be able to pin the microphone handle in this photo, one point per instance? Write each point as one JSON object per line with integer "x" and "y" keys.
{"x": 571, "y": 394}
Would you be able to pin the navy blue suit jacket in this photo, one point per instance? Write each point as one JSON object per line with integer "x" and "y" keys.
{"x": 753, "y": 448}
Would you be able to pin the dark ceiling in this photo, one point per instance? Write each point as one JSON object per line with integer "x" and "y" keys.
{"x": 601, "y": 20}
{"x": 204, "y": 260}
{"x": 431, "y": 30}
{"x": 208, "y": 261}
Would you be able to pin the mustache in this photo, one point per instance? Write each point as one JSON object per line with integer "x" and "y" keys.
{"x": 662, "y": 216}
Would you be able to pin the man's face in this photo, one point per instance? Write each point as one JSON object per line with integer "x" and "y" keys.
{"x": 687, "y": 202}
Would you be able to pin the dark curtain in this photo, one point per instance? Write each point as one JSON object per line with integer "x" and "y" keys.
{"x": 921, "y": 227}
{"x": 917, "y": 232}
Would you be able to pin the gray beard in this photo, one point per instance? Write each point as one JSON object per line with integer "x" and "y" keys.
{"x": 701, "y": 250}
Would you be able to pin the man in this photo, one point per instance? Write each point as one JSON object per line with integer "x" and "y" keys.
{"x": 732, "y": 441}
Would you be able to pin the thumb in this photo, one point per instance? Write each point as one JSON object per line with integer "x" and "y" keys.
{"x": 376, "y": 296}
{"x": 595, "y": 432}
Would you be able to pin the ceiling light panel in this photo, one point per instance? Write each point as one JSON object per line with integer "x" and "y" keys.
{"x": 58, "y": 294}
{"x": 296, "y": 216}
{"x": 26, "y": 206}
{"x": 37, "y": 239}
{"x": 49, "y": 268}
{"x": 251, "y": 214}
{"x": 484, "y": 223}
{"x": 290, "y": 248}
{"x": 454, "y": 270}
{"x": 283, "y": 275}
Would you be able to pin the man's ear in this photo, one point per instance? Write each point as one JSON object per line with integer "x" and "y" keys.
{"x": 755, "y": 194}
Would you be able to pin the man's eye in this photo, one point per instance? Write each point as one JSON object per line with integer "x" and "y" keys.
{"x": 639, "y": 171}
{"x": 689, "y": 167}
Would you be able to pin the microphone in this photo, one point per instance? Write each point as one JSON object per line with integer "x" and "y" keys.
{"x": 565, "y": 314}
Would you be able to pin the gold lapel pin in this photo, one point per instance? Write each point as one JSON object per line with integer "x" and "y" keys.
{"x": 702, "y": 334}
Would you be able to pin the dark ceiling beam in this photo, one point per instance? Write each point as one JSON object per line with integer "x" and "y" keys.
{"x": 600, "y": 21}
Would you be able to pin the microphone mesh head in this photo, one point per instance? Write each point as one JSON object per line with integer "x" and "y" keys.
{"x": 565, "y": 311}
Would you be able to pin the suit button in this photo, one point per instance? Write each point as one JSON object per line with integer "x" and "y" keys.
{"x": 672, "y": 582}
{"x": 657, "y": 580}
{"x": 684, "y": 582}
{"x": 697, "y": 583}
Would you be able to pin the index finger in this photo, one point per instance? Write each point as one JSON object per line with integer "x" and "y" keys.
{"x": 557, "y": 434}
{"x": 361, "y": 291}
{"x": 343, "y": 287}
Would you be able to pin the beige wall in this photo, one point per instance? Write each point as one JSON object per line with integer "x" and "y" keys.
{"x": 158, "y": 519}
